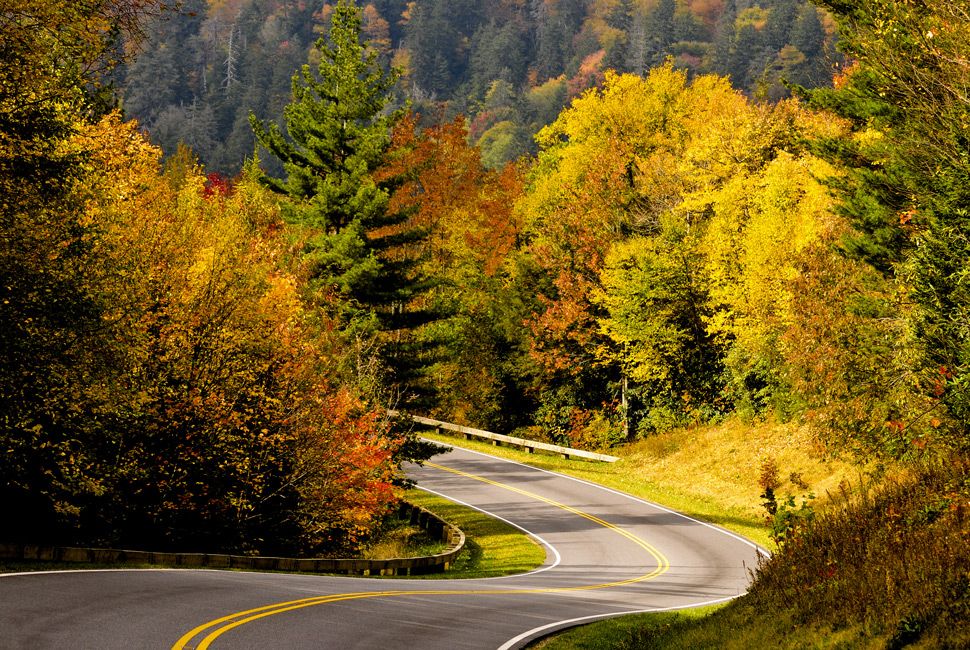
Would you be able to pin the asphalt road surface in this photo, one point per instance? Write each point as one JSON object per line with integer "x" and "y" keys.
{"x": 606, "y": 553}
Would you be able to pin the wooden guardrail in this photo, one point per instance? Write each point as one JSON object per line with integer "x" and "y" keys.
{"x": 497, "y": 438}
{"x": 390, "y": 567}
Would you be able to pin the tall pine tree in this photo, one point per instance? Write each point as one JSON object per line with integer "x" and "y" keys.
{"x": 905, "y": 189}
{"x": 361, "y": 254}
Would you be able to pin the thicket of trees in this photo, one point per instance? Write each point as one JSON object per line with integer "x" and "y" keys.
{"x": 171, "y": 377}
{"x": 679, "y": 252}
{"x": 189, "y": 361}
{"x": 509, "y": 66}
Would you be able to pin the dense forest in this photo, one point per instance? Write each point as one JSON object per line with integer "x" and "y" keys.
{"x": 169, "y": 377}
{"x": 195, "y": 361}
{"x": 508, "y": 66}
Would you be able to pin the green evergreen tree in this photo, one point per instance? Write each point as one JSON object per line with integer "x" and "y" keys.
{"x": 498, "y": 52}
{"x": 621, "y": 18}
{"x": 905, "y": 192}
{"x": 549, "y": 39}
{"x": 782, "y": 16}
{"x": 660, "y": 31}
{"x": 808, "y": 35}
{"x": 337, "y": 134}
{"x": 435, "y": 42}
{"x": 722, "y": 58}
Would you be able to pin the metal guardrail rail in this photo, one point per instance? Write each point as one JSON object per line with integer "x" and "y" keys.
{"x": 389, "y": 567}
{"x": 530, "y": 445}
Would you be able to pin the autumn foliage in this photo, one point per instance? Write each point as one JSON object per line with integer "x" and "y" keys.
{"x": 219, "y": 420}
{"x": 164, "y": 383}
{"x": 191, "y": 361}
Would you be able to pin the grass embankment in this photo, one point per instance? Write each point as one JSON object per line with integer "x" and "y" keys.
{"x": 711, "y": 473}
{"x": 886, "y": 567}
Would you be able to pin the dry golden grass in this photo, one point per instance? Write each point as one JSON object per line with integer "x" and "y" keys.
{"x": 722, "y": 463}
{"x": 708, "y": 472}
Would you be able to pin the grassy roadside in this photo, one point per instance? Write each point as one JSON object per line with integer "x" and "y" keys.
{"x": 617, "y": 632}
{"x": 492, "y": 547}
{"x": 728, "y": 627}
{"x": 711, "y": 473}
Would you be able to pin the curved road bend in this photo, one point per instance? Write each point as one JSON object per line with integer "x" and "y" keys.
{"x": 607, "y": 553}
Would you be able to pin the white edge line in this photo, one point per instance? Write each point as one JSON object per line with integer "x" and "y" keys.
{"x": 537, "y": 632}
{"x": 759, "y": 549}
{"x": 558, "y": 558}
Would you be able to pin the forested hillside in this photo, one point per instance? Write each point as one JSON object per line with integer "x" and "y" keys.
{"x": 191, "y": 361}
{"x": 509, "y": 66}
{"x": 171, "y": 376}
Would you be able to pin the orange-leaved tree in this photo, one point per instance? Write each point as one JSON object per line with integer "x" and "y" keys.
{"x": 473, "y": 228}
{"x": 231, "y": 429}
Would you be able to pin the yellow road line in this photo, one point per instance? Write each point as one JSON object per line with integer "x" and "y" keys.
{"x": 657, "y": 555}
{"x": 232, "y": 621}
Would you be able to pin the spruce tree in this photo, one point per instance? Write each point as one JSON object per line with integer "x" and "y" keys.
{"x": 659, "y": 30}
{"x": 337, "y": 135}
{"x": 906, "y": 192}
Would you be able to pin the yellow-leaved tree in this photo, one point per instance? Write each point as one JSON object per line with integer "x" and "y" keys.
{"x": 612, "y": 169}
{"x": 672, "y": 220}
{"x": 766, "y": 218}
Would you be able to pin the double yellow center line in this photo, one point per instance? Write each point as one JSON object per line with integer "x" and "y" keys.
{"x": 217, "y": 627}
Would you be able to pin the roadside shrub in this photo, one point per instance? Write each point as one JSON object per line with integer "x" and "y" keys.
{"x": 895, "y": 558}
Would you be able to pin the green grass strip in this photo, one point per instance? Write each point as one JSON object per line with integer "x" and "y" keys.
{"x": 734, "y": 626}
{"x": 625, "y": 631}
{"x": 492, "y": 547}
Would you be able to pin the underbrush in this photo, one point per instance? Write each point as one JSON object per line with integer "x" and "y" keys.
{"x": 893, "y": 559}
{"x": 884, "y": 567}
{"x": 399, "y": 538}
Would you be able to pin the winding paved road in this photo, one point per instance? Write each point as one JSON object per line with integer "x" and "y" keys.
{"x": 607, "y": 553}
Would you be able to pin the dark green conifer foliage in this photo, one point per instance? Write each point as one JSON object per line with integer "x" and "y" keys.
{"x": 723, "y": 55}
{"x": 660, "y": 31}
{"x": 906, "y": 192}
{"x": 337, "y": 134}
